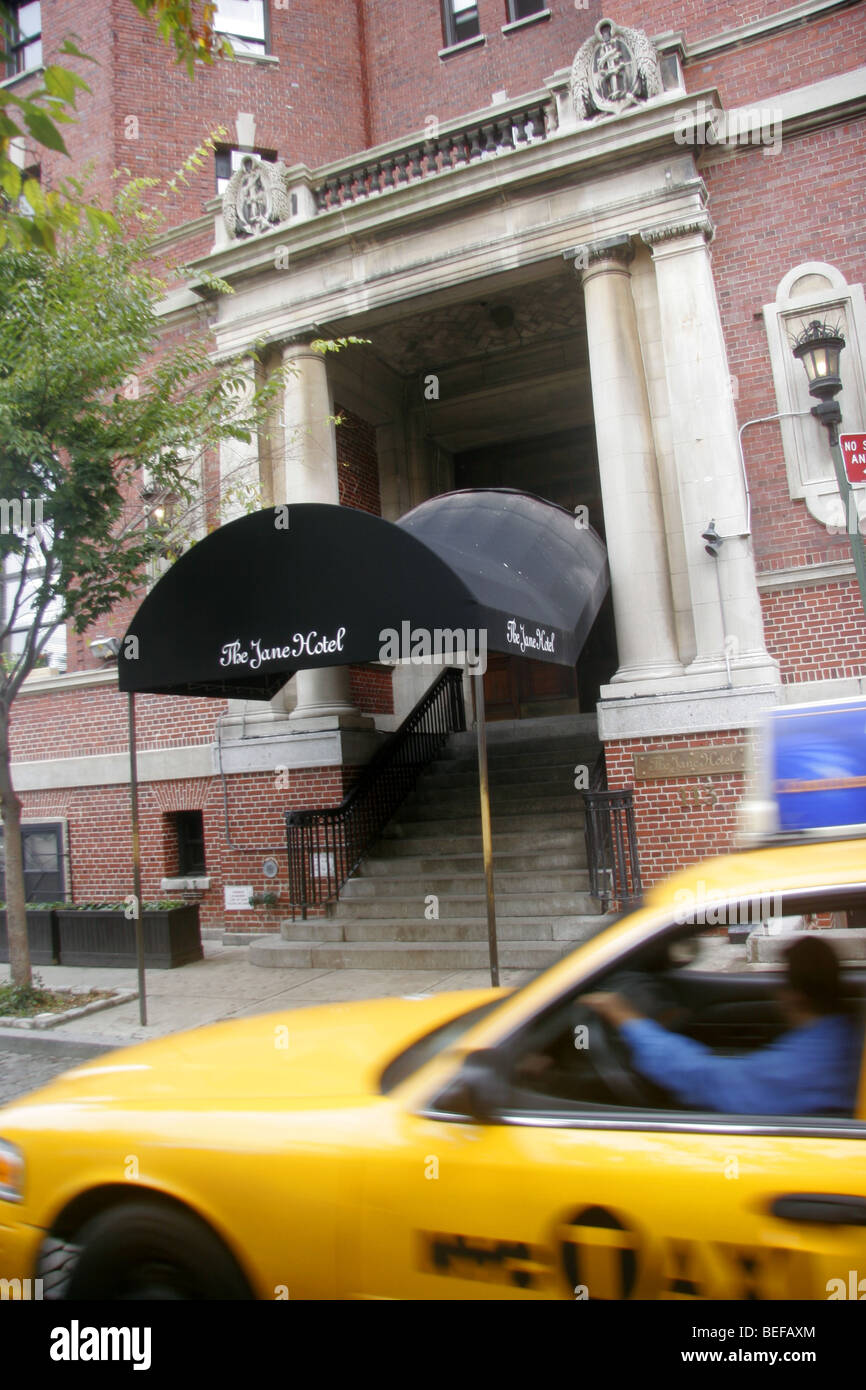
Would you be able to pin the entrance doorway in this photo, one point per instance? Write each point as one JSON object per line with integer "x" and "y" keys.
{"x": 515, "y": 688}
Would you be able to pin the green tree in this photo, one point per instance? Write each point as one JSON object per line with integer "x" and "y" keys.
{"x": 39, "y": 115}
{"x": 88, "y": 399}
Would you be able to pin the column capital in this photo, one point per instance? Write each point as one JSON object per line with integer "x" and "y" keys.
{"x": 699, "y": 225}
{"x": 299, "y": 343}
{"x": 619, "y": 249}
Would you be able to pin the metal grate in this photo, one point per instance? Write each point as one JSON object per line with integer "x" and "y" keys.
{"x": 611, "y": 842}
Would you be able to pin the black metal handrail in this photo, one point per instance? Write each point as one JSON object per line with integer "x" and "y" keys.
{"x": 611, "y": 842}
{"x": 326, "y": 844}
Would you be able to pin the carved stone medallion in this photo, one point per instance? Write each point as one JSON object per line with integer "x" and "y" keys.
{"x": 616, "y": 69}
{"x": 256, "y": 197}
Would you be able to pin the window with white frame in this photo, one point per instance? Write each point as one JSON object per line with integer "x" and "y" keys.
{"x": 244, "y": 23}
{"x": 460, "y": 20}
{"x": 22, "y": 37}
{"x": 815, "y": 290}
{"x": 20, "y": 585}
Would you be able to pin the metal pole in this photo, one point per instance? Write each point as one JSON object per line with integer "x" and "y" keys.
{"x": 136, "y": 862}
{"x": 486, "y": 836}
{"x": 852, "y": 524}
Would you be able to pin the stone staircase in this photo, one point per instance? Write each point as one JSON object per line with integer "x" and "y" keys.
{"x": 429, "y": 860}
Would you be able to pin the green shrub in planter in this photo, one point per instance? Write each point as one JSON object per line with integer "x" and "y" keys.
{"x": 42, "y": 935}
{"x": 102, "y": 934}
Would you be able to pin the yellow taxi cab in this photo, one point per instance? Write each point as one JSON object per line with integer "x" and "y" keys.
{"x": 417, "y": 1149}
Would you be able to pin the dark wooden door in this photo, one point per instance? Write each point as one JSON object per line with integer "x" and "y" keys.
{"x": 514, "y": 686}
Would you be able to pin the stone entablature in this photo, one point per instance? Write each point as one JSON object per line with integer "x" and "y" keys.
{"x": 617, "y": 69}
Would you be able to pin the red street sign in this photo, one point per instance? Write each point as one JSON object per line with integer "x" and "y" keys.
{"x": 854, "y": 455}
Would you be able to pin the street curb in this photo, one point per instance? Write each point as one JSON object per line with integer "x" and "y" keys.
{"x": 27, "y": 1040}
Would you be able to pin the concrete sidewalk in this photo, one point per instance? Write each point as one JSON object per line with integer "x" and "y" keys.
{"x": 225, "y": 985}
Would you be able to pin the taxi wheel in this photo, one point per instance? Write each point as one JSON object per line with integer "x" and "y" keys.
{"x": 149, "y": 1250}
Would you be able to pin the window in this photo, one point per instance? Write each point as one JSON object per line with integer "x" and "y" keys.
{"x": 227, "y": 161}
{"x": 23, "y": 38}
{"x": 19, "y": 598}
{"x": 189, "y": 833}
{"x": 461, "y": 21}
{"x": 243, "y": 23}
{"x": 42, "y": 847}
{"x": 525, "y": 9}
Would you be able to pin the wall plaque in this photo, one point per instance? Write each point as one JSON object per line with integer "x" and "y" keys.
{"x": 690, "y": 762}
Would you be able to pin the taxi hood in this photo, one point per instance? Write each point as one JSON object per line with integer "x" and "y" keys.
{"x": 336, "y": 1050}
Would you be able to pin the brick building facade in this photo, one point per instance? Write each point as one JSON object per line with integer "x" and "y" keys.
{"x": 590, "y": 304}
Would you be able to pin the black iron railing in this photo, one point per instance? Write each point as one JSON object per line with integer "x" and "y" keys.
{"x": 326, "y": 845}
{"x": 611, "y": 842}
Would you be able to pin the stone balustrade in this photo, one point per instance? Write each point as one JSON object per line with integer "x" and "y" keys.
{"x": 453, "y": 147}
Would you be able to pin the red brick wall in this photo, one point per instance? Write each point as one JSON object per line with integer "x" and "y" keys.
{"x": 357, "y": 463}
{"x": 150, "y": 116}
{"x": 817, "y": 632}
{"x": 100, "y": 845}
{"x": 782, "y": 62}
{"x": 679, "y": 820}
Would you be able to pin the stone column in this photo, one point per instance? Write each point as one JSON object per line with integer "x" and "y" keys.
{"x": 726, "y": 607}
{"x": 633, "y": 515}
{"x": 310, "y": 474}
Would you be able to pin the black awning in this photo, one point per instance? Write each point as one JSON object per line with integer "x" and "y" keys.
{"x": 540, "y": 578}
{"x": 258, "y": 600}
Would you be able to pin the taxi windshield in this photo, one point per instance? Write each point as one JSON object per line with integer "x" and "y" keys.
{"x": 418, "y": 1053}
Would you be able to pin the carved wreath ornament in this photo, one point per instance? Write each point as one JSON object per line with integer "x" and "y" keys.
{"x": 256, "y": 197}
{"x": 616, "y": 69}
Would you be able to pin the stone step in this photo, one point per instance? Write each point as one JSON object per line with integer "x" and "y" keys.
{"x": 522, "y": 807}
{"x": 403, "y": 955}
{"x": 363, "y": 889}
{"x": 507, "y": 929}
{"x": 535, "y": 733}
{"x": 465, "y": 905}
{"x": 425, "y": 826}
{"x": 398, "y": 866}
{"x": 514, "y": 764}
{"x": 409, "y": 844}
{"x": 517, "y": 791}
{"x": 575, "y": 928}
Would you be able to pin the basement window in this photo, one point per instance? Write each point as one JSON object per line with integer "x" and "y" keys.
{"x": 42, "y": 845}
{"x": 189, "y": 841}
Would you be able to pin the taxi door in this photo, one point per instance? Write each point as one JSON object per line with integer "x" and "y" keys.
{"x": 627, "y": 1204}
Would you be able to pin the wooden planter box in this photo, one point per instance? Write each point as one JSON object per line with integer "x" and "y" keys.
{"x": 104, "y": 936}
{"x": 42, "y": 936}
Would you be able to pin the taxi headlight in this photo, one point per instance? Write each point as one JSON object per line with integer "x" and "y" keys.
{"x": 11, "y": 1172}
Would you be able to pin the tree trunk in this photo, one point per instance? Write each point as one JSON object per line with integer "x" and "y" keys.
{"x": 16, "y": 904}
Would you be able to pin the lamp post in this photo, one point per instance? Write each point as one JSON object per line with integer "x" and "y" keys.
{"x": 818, "y": 347}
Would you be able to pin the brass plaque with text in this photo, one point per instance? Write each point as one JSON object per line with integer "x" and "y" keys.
{"x": 690, "y": 762}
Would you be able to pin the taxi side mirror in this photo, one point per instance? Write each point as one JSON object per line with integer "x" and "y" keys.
{"x": 479, "y": 1090}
